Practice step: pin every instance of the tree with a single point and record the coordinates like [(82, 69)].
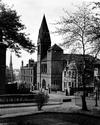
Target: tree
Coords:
[(81, 30), (12, 31)]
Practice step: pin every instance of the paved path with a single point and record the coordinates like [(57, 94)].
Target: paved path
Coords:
[(19, 111), (56, 100), (56, 104)]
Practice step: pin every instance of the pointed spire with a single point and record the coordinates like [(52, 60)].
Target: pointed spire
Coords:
[(44, 26), (11, 66), (44, 40)]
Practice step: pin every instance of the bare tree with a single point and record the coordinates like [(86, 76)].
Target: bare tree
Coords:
[(79, 31)]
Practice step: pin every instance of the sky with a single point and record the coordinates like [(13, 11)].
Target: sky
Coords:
[(32, 12)]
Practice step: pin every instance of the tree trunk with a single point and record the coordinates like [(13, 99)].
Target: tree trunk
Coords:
[(84, 105), (96, 98)]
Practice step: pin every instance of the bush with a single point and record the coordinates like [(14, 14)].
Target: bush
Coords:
[(23, 89), (41, 99)]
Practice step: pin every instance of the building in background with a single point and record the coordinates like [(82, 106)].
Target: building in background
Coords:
[(11, 69), (16, 73), (28, 74), (70, 77), (10, 76), (52, 64)]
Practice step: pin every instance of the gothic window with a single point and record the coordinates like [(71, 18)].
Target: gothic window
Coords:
[(44, 84), (44, 68)]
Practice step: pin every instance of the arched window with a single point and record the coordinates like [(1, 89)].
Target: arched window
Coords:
[(43, 84)]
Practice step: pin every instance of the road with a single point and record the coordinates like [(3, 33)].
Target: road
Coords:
[(20, 109)]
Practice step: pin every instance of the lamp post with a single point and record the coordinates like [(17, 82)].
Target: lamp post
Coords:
[(96, 96)]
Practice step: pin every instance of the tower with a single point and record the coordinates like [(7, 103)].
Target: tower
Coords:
[(11, 68), (43, 43), (10, 65)]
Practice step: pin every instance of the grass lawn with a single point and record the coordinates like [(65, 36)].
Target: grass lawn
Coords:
[(50, 118)]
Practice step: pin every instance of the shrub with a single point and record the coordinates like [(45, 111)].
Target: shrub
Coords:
[(23, 89), (41, 99)]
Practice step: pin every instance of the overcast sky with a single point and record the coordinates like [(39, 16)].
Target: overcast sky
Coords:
[(32, 12)]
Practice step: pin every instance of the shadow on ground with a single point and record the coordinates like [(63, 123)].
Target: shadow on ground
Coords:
[(53, 118)]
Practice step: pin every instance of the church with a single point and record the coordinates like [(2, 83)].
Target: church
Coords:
[(54, 67)]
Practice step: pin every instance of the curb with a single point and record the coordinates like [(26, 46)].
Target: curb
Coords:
[(28, 105)]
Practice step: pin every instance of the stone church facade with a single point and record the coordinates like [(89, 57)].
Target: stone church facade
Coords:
[(51, 62)]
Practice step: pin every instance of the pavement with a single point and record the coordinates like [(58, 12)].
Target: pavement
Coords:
[(25, 105), (54, 99), (55, 104)]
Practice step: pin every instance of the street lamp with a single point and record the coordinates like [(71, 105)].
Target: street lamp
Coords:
[(96, 94)]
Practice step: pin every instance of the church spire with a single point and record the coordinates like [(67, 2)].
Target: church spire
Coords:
[(43, 27), (44, 41), (11, 66)]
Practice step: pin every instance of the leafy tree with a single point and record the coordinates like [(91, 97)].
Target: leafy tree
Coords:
[(12, 31), (81, 31)]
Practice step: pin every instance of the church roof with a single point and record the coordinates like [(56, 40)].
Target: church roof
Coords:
[(56, 47), (78, 58)]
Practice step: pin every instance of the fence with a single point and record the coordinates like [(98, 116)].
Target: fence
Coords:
[(17, 98), (90, 100)]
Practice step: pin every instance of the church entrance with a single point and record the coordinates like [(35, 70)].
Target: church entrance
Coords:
[(43, 84)]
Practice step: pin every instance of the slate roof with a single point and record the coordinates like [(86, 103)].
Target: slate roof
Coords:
[(56, 47), (78, 58)]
